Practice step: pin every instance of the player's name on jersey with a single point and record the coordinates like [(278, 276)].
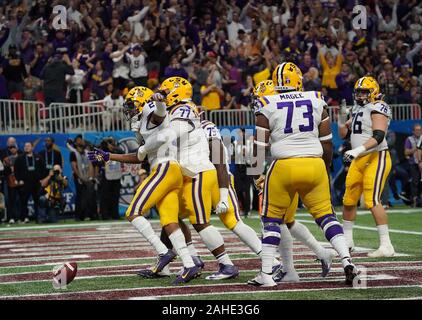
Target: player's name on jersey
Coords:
[(291, 96)]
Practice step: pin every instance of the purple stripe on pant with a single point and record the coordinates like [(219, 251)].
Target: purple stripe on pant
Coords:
[(195, 206), (143, 189), (201, 200)]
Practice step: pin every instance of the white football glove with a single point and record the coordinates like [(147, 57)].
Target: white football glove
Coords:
[(354, 153), (343, 113), (158, 96), (141, 153), (223, 204)]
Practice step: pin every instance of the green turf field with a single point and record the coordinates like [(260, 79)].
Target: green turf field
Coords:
[(109, 254)]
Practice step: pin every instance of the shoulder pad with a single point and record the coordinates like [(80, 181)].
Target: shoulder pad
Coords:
[(381, 107)]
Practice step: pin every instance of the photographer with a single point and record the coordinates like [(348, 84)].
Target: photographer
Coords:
[(52, 201), (110, 184)]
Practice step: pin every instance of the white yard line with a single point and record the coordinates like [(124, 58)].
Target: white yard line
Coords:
[(266, 291), (371, 277)]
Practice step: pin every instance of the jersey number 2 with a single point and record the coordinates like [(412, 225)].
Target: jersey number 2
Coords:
[(291, 106)]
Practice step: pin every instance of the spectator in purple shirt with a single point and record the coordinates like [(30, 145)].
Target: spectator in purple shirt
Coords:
[(38, 60), (100, 79), (233, 82), (175, 69), (345, 81)]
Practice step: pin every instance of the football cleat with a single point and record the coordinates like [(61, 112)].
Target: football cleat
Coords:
[(149, 274), (226, 271), (198, 262), (326, 262), (262, 280), (163, 260), (351, 272), (187, 275), (382, 251), (281, 276), (277, 267)]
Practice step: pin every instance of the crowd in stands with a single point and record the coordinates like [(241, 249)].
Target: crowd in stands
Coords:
[(224, 47)]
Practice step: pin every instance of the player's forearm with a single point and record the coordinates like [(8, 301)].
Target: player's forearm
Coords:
[(327, 155), (125, 158), (222, 175)]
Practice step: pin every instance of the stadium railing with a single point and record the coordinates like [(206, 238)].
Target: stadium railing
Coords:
[(87, 116), (247, 117), (19, 116)]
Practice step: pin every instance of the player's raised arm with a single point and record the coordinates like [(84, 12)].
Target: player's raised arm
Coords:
[(343, 123), (326, 139)]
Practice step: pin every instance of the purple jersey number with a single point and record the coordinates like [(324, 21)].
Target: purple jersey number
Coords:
[(291, 106)]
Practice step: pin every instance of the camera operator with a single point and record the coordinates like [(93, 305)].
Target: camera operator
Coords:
[(52, 202), (110, 184)]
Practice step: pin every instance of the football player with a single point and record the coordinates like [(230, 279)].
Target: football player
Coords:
[(370, 161), (300, 131), (296, 229), (229, 216), (174, 100), (161, 188)]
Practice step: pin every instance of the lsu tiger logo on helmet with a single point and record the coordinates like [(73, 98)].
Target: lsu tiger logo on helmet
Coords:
[(366, 90), (177, 89), (287, 77), (135, 101), (264, 88)]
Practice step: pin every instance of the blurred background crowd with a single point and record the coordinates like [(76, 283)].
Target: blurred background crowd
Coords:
[(223, 47)]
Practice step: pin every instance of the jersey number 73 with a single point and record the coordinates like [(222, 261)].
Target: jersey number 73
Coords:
[(295, 107)]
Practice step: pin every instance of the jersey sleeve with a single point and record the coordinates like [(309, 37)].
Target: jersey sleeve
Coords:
[(262, 107), (382, 107), (211, 130)]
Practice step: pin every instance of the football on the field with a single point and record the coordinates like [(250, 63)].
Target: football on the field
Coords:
[(65, 273)]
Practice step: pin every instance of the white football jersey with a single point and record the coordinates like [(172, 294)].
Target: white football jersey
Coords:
[(361, 126), (137, 65), (168, 151), (194, 154), (212, 132), (294, 118)]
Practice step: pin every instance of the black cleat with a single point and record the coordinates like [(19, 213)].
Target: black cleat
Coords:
[(351, 273)]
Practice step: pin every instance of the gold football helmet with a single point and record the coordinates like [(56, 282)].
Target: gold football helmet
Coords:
[(264, 88), (135, 100), (366, 90), (177, 89), (287, 77)]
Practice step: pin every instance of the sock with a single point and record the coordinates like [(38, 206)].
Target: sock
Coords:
[(270, 242), (302, 233), (213, 240), (383, 234), (348, 231), (333, 232), (286, 249), (192, 249), (145, 228), (179, 243), (224, 258), (248, 236)]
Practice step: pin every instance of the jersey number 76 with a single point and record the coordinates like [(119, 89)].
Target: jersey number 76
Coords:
[(291, 107)]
